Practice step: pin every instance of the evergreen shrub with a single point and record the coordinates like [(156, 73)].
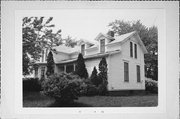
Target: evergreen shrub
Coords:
[(63, 87)]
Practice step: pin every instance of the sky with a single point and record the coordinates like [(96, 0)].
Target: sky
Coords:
[(88, 23)]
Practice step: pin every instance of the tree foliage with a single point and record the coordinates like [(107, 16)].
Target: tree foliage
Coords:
[(103, 76), (50, 64), (149, 36), (70, 42), (37, 34), (81, 67), (94, 77), (63, 87)]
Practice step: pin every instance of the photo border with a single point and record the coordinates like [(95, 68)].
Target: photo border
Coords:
[(19, 9)]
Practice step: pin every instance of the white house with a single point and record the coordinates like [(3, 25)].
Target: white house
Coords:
[(124, 55)]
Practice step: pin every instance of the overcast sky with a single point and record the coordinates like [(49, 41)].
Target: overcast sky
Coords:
[(88, 23)]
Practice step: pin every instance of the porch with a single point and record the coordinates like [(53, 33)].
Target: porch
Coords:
[(67, 68)]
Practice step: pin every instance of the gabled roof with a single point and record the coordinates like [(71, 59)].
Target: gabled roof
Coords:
[(93, 42), (98, 55), (123, 38), (67, 50), (105, 35)]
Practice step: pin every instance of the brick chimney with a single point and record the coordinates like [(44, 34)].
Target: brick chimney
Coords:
[(110, 33)]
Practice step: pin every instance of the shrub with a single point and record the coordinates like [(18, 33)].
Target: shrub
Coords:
[(91, 90), (94, 78), (63, 87), (102, 89), (50, 64), (31, 84), (81, 67), (88, 88), (151, 86), (103, 76)]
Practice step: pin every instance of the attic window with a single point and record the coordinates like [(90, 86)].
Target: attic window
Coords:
[(83, 49), (102, 46)]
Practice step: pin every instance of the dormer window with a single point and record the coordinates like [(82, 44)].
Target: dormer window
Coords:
[(83, 49), (102, 46)]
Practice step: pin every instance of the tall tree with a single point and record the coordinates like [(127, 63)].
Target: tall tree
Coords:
[(81, 67), (50, 64), (70, 42), (37, 34), (103, 76), (149, 36), (94, 77)]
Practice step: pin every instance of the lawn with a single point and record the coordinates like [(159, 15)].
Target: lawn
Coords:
[(35, 99)]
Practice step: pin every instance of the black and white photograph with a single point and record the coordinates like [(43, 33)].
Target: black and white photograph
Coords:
[(91, 58)]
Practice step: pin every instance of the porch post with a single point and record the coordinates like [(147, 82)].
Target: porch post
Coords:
[(64, 68), (74, 66)]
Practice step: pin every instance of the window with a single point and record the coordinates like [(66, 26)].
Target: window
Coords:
[(138, 73), (69, 68), (135, 50), (126, 72), (102, 46), (61, 68), (131, 49), (46, 54), (83, 49), (36, 71), (42, 72), (42, 55)]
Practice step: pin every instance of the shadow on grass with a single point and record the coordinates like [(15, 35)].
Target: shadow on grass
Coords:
[(128, 93), (71, 104)]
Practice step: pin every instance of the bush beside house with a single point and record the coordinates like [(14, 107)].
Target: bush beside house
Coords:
[(81, 67), (103, 77), (97, 84), (50, 64), (31, 84), (151, 85), (66, 87), (94, 77), (63, 87)]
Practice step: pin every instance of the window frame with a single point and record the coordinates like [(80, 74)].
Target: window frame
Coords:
[(36, 71), (43, 70), (102, 51), (131, 49), (138, 73), (135, 50), (42, 55), (126, 73), (83, 49)]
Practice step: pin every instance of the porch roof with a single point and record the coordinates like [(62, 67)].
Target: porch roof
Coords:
[(99, 55)]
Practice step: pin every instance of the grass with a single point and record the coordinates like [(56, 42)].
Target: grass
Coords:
[(120, 101), (35, 99)]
